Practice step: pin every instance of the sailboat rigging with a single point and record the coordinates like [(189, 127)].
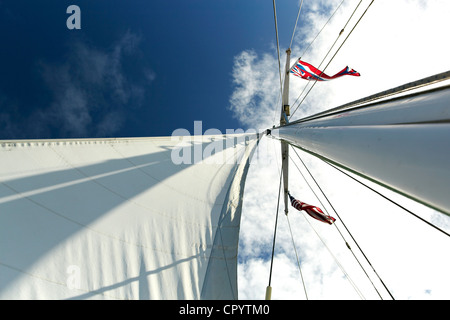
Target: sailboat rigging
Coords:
[(333, 130), (121, 219)]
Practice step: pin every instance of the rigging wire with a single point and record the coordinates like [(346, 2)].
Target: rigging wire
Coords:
[(310, 44), (275, 228), (348, 246), (323, 206), (331, 48), (392, 201), (278, 44), (290, 44), (375, 98), (278, 55), (326, 23), (360, 249), (292, 238), (296, 21), (296, 255), (334, 53), (336, 260), (334, 257), (281, 94), (276, 109), (281, 88), (274, 233)]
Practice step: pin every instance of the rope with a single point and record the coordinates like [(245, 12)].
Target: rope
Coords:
[(334, 53)]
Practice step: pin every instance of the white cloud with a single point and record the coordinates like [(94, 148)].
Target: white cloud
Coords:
[(255, 96), (396, 42), (91, 89)]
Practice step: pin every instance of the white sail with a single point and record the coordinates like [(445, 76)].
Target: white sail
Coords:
[(148, 218)]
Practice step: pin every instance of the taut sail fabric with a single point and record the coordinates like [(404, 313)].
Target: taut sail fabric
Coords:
[(138, 218)]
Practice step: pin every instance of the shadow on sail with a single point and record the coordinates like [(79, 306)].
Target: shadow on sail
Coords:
[(115, 219)]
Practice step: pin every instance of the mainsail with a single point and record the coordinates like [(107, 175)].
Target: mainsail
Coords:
[(148, 218)]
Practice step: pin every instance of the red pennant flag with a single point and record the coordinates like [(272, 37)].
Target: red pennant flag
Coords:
[(307, 71), (313, 211)]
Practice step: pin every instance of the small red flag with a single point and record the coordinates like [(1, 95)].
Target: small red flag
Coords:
[(307, 71), (313, 211)]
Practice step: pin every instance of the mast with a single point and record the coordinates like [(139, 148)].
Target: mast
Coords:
[(401, 143), (284, 151), (283, 121)]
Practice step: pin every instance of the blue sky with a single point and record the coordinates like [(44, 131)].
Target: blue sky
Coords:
[(136, 68)]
